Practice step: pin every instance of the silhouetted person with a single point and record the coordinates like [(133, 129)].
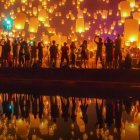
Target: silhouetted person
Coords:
[(34, 107), (53, 54), (118, 114), (22, 53), (109, 52), (64, 54), (40, 52), (118, 53), (4, 104), (15, 52), (73, 115), (16, 107), (65, 109), (7, 51), (54, 108), (84, 56), (3, 53), (33, 52), (99, 50), (22, 107), (109, 113), (72, 53), (41, 107), (27, 106), (27, 54), (128, 61), (84, 107), (99, 110)]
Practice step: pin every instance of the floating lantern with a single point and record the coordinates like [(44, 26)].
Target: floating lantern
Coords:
[(131, 34), (132, 3), (136, 15), (20, 21), (125, 9), (42, 15), (33, 25), (80, 26), (35, 11)]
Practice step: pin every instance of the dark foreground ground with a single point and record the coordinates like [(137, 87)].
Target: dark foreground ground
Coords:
[(72, 82)]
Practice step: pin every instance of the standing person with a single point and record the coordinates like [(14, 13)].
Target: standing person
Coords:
[(53, 54), (15, 52), (84, 56), (3, 57), (33, 52), (118, 53), (99, 49), (8, 55), (21, 53), (40, 52), (109, 52), (72, 54), (27, 54), (64, 54)]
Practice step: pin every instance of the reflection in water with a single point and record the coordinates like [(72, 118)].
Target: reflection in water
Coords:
[(54, 117)]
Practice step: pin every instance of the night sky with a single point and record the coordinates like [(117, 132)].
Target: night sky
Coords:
[(91, 5)]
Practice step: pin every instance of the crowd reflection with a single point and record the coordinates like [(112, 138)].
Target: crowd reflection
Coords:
[(44, 117)]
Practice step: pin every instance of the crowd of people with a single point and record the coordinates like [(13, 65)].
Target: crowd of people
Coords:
[(20, 53)]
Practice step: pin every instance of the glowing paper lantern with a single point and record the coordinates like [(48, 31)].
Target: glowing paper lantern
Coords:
[(125, 9), (35, 11), (131, 34), (20, 21), (132, 3), (42, 15), (23, 1), (136, 15), (80, 14), (33, 25), (80, 26), (104, 14)]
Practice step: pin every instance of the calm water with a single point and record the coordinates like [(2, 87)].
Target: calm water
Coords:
[(54, 117)]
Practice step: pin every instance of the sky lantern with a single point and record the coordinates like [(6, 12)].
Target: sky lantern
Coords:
[(104, 14), (46, 23), (132, 3), (80, 14), (42, 15), (23, 7), (80, 25), (23, 1), (33, 25), (35, 11), (136, 15), (131, 34), (125, 9), (20, 21)]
